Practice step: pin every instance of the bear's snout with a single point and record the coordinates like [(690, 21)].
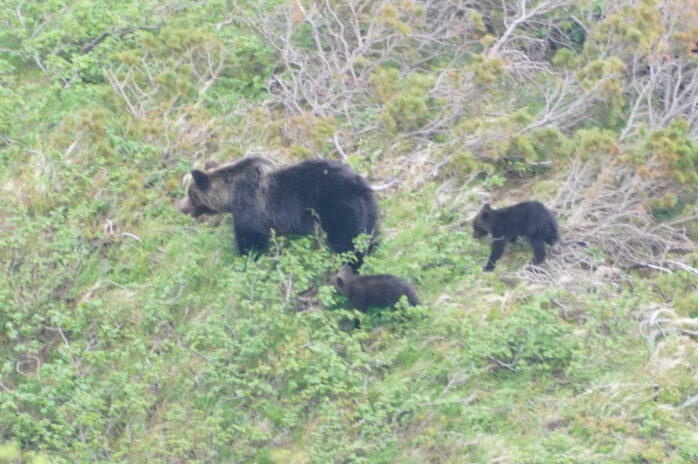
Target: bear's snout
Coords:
[(185, 206), (479, 233)]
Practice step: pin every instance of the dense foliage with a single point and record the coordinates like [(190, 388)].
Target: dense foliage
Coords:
[(130, 333)]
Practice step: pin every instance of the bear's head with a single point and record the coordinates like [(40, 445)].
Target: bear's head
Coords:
[(482, 224), (213, 189), (208, 193), (341, 281)]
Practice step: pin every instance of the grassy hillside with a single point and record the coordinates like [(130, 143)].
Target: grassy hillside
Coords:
[(131, 333)]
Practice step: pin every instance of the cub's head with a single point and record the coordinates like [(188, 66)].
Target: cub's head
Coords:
[(207, 192), (482, 224), (341, 280)]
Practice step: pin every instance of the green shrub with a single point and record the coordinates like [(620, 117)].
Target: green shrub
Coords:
[(531, 338)]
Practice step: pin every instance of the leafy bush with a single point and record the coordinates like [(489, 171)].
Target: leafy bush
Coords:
[(532, 339), (126, 324)]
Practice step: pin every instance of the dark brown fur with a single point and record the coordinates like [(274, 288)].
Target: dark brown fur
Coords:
[(211, 191), (529, 219), (373, 291), (290, 200)]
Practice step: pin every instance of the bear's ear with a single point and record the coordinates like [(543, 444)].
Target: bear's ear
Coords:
[(485, 211), (210, 165), (486, 207), (339, 282), (201, 179)]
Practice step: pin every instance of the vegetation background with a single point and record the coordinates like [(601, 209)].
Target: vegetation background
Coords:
[(130, 333)]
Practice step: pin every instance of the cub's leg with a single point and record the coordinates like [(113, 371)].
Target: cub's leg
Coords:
[(498, 245)]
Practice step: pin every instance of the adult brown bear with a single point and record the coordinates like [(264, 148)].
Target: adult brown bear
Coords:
[(290, 200)]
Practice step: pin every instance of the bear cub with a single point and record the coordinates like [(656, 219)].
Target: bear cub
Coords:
[(373, 291), (529, 219), (292, 200)]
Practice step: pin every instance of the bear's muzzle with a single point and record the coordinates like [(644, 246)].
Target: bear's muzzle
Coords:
[(185, 206)]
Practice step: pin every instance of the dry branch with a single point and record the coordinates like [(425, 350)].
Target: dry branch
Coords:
[(516, 15), (329, 51), (607, 229)]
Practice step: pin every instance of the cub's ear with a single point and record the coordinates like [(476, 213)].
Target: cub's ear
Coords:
[(339, 282), (485, 211), (201, 179), (210, 165)]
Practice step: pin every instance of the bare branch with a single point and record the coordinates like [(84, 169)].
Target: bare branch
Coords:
[(522, 15), (607, 230)]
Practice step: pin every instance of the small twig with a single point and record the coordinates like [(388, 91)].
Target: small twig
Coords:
[(60, 331), (338, 145), (649, 266), (690, 402), (684, 267), (393, 183), (503, 364), (462, 401), (128, 234), (117, 285)]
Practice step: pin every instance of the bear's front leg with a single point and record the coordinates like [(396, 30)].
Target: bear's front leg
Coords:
[(249, 240), (498, 245)]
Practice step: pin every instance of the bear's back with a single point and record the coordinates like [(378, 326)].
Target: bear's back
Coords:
[(526, 219), (319, 178), (378, 290), (245, 165)]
